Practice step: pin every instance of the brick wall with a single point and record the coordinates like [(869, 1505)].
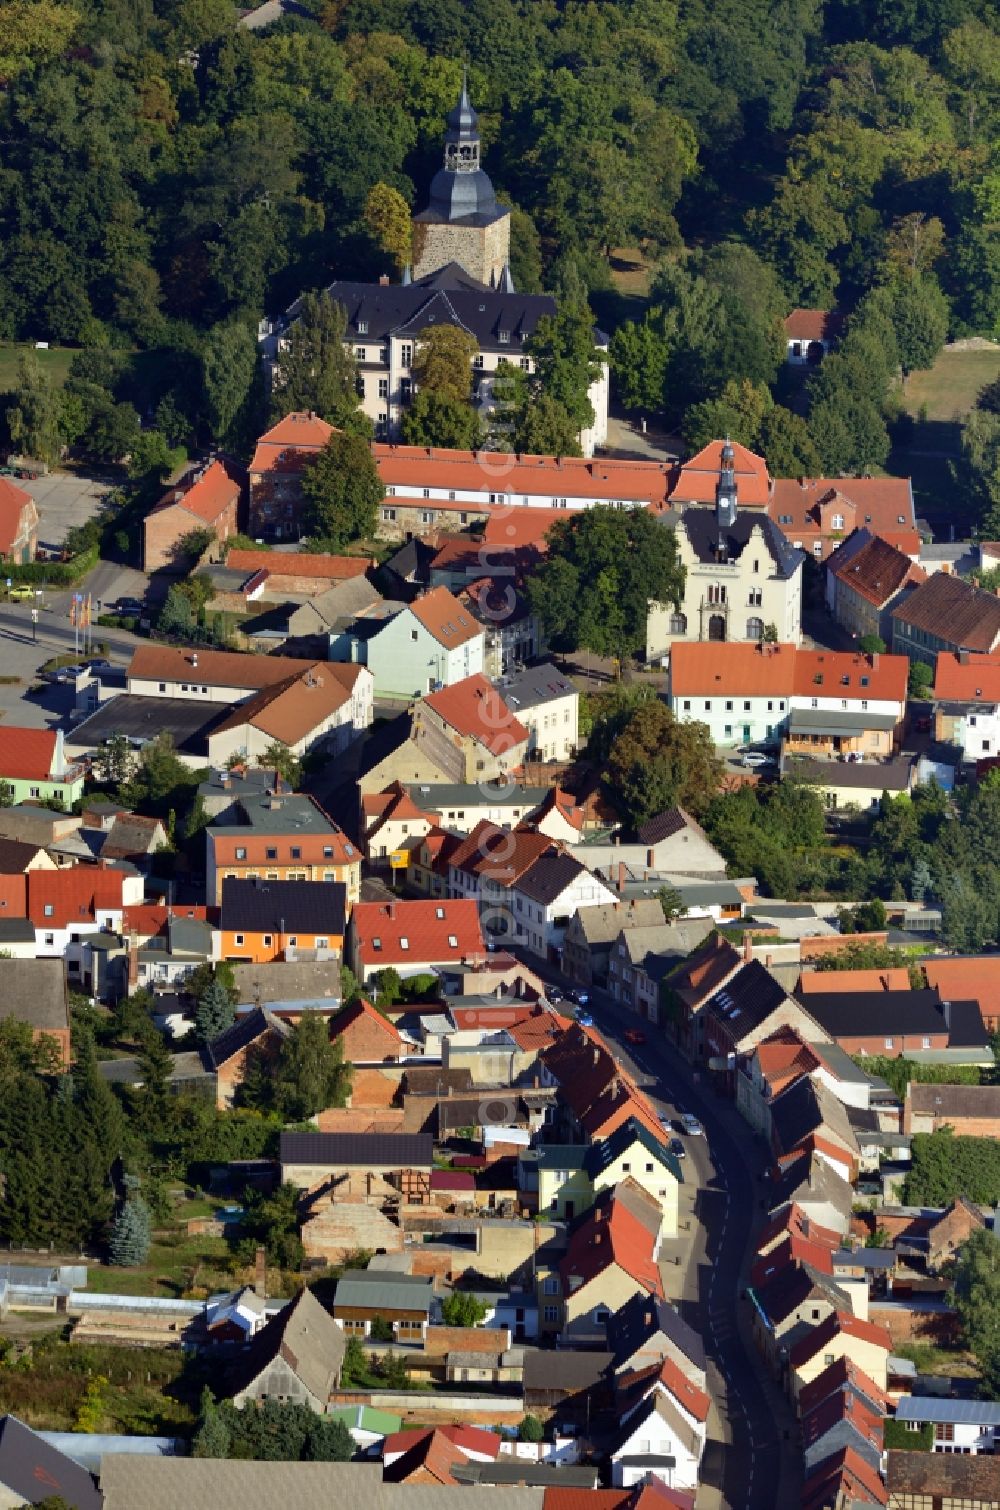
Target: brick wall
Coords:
[(366, 1040), (902, 1043), (905, 1325), (165, 527), (834, 943)]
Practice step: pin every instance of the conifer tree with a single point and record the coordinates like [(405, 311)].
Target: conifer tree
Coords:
[(214, 1013), (130, 1237)]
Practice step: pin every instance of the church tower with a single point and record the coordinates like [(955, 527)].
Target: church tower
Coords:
[(463, 222)]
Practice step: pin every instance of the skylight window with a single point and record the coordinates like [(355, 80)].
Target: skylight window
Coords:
[(404, 943), (453, 940), (376, 945)]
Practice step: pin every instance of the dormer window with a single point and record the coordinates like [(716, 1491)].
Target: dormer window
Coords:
[(837, 522), (362, 327), (503, 336)]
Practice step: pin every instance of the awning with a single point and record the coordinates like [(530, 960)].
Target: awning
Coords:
[(821, 721)]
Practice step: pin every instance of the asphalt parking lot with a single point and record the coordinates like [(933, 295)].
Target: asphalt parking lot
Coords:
[(64, 499)]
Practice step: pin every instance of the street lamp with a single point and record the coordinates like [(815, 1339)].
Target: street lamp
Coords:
[(34, 626)]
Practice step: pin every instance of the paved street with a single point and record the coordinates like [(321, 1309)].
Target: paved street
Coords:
[(22, 652), (752, 1460)]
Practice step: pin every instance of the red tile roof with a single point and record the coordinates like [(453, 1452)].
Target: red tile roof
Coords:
[(812, 324), (363, 1011), (410, 469), (877, 570), (843, 1478), (610, 1234), (299, 564), (848, 674), (843, 1373), (475, 708), (426, 927), (957, 979), (215, 668), (974, 679), (13, 501), (953, 610), (204, 494), (692, 1399), (150, 921), (804, 507), (895, 978), (598, 1090), (74, 895), (792, 1221), (521, 529), (783, 1057), (291, 710), (698, 479), (840, 1324), (26, 754), (288, 444), (501, 854), (703, 669), (444, 617), (793, 1251), (465, 1438)]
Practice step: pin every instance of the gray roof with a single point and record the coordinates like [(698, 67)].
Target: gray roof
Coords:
[(514, 1471), (241, 1033), (16, 855), (265, 813), (565, 1369), (307, 1338), (282, 907), (289, 981), (16, 931), (534, 686), (886, 776), (701, 525), (31, 1469), (358, 1150), (641, 1318), (836, 721), (602, 925), (957, 1412), (865, 1258), (189, 723), (448, 296), (433, 796), (34, 991), (842, 1434), (396, 1292), (546, 880), (139, 1483), (185, 1066)]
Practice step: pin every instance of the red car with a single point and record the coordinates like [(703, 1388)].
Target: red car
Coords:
[(634, 1035)]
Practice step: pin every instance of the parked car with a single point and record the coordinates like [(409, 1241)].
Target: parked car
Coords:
[(581, 997), (676, 1147), (584, 1019), (691, 1125), (126, 608), (754, 759), (634, 1035), (101, 665), (554, 995)]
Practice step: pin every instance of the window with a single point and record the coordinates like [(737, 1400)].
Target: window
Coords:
[(406, 353), (383, 387), (746, 707), (551, 1313), (388, 514), (453, 940), (756, 597), (362, 327), (241, 853), (439, 912), (890, 1043), (503, 336), (477, 361), (525, 364), (678, 623), (34, 791), (728, 731), (687, 705), (50, 938), (716, 592), (404, 943), (49, 909), (550, 1285), (837, 522), (360, 354), (239, 938), (377, 945), (296, 852), (163, 686), (322, 943), (426, 516), (271, 854), (268, 940), (756, 566), (729, 705)]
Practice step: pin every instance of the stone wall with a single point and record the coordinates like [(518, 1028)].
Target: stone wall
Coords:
[(481, 250)]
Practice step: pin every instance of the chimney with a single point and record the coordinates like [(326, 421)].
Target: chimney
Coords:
[(133, 963), (621, 877), (963, 657), (597, 1237), (260, 1272), (769, 960), (648, 1318), (875, 661), (597, 1054), (383, 280), (747, 948)]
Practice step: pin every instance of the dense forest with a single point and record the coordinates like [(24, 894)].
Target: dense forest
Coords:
[(170, 175)]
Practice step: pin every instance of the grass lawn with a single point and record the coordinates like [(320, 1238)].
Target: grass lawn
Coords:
[(948, 390), (55, 362), (178, 1266), (939, 1360), (148, 1391)]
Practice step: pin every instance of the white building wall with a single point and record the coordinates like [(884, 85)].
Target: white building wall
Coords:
[(407, 661), (553, 728), (735, 720)]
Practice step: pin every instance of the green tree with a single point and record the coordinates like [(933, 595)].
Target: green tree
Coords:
[(639, 357), (387, 220), (278, 757), (920, 679), (434, 420), (658, 761), (442, 361), (530, 1429), (341, 493), (317, 370), (785, 442), (229, 364), (33, 417), (176, 616), (214, 1013), (212, 1438), (463, 1309), (310, 1073), (872, 644), (115, 761), (919, 313), (564, 355), (128, 1244), (671, 902), (603, 568)]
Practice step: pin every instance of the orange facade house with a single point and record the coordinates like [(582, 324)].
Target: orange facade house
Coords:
[(263, 921), (280, 837)]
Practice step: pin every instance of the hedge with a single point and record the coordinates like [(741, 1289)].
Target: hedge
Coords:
[(52, 573)]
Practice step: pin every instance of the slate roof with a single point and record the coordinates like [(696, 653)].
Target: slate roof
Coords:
[(876, 1014), (673, 820), (534, 686), (639, 1320), (747, 999), (707, 537), (450, 296), (603, 1153), (246, 1029), (546, 880), (358, 1150), (32, 1469), (954, 1100), (258, 906), (563, 1368), (806, 1107)]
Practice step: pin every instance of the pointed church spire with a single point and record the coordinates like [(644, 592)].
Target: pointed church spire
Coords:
[(407, 275), (506, 284)]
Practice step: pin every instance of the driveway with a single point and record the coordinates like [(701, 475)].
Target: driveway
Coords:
[(64, 499)]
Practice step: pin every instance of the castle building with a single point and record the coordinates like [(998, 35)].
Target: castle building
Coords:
[(461, 276)]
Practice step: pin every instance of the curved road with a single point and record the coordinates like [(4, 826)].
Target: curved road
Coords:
[(759, 1464)]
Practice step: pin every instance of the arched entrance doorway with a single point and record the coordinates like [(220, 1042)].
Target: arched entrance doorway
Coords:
[(717, 627)]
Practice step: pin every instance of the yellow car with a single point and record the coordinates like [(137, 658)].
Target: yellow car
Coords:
[(21, 593)]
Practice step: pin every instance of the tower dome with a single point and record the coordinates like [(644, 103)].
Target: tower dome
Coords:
[(461, 188)]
